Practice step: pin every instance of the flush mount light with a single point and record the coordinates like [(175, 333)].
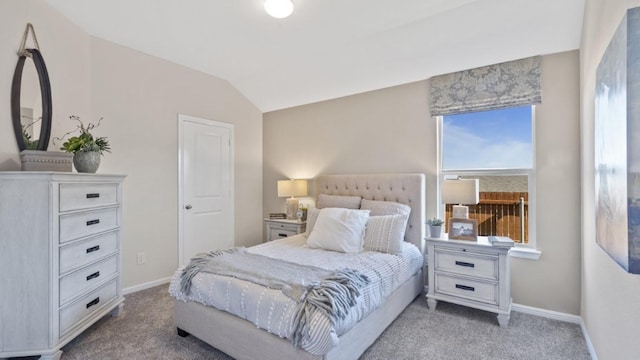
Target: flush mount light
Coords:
[(278, 8)]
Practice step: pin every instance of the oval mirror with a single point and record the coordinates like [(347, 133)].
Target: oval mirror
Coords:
[(31, 102)]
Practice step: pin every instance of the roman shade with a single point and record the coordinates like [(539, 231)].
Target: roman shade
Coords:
[(507, 84)]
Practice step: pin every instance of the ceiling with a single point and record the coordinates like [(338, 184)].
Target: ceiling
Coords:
[(330, 48)]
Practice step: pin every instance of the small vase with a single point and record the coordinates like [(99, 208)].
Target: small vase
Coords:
[(86, 161), (435, 231)]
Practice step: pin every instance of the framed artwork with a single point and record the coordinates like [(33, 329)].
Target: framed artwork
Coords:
[(617, 145), (463, 229)]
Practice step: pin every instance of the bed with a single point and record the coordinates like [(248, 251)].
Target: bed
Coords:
[(242, 339)]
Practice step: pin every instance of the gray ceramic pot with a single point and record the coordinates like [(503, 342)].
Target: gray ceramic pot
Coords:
[(86, 161)]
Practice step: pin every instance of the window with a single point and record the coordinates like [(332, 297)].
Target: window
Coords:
[(496, 147)]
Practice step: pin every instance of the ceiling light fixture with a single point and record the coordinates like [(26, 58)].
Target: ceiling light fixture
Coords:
[(279, 9)]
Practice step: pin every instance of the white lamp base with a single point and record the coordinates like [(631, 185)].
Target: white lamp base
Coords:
[(460, 212), (292, 208)]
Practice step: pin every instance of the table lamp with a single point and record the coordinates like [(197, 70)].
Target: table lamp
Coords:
[(290, 189), (460, 191)]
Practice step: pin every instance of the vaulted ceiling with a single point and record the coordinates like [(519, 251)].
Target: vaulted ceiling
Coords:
[(330, 48)]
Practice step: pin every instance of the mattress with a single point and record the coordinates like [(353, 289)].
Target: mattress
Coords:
[(271, 310)]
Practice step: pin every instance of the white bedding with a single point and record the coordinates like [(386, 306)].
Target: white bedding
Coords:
[(271, 310)]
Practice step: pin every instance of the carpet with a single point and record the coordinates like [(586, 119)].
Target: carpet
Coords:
[(145, 330)]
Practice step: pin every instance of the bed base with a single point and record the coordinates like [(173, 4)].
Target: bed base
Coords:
[(243, 340)]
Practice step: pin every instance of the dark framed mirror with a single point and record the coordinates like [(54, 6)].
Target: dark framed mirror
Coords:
[(31, 101)]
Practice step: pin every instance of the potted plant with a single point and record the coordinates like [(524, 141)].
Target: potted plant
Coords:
[(435, 227), (86, 148)]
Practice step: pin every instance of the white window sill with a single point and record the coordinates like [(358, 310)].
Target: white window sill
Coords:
[(524, 252)]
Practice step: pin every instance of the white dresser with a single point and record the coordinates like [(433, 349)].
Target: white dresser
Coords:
[(60, 258), (470, 273)]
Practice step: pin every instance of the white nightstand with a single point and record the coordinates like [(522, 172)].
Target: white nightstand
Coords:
[(278, 229), (470, 273)]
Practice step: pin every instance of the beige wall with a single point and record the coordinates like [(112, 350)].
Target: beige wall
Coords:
[(139, 97), (610, 306), (390, 130), (65, 49)]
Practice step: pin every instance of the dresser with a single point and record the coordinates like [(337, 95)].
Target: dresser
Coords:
[(60, 258), (281, 228), (470, 273)]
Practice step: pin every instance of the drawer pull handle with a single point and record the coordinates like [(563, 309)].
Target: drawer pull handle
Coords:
[(282, 235), (465, 287), (93, 222), (93, 195), (92, 249), (93, 302), (93, 276), (465, 264)]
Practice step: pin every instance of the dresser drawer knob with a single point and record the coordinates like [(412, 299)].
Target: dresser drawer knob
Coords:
[(465, 264), (92, 249), (93, 302), (93, 196), (465, 287), (93, 222), (93, 276)]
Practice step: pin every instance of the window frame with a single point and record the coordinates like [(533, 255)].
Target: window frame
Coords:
[(528, 250)]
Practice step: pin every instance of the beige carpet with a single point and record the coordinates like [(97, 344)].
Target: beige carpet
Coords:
[(145, 330)]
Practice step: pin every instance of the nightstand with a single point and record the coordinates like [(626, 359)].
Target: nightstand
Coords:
[(280, 228), (470, 273)]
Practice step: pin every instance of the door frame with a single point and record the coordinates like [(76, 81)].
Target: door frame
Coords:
[(182, 119)]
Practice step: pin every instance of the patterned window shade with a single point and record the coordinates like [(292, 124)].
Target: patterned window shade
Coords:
[(490, 87)]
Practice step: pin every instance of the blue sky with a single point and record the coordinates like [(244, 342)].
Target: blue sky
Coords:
[(488, 140)]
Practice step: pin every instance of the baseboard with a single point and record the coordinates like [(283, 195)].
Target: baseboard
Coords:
[(146, 285), (556, 315), (549, 314), (587, 339)]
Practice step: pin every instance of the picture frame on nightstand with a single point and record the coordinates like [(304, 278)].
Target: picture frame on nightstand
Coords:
[(463, 229)]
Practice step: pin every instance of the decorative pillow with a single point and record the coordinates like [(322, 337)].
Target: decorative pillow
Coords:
[(380, 208), (338, 201), (312, 216), (385, 233), (339, 230)]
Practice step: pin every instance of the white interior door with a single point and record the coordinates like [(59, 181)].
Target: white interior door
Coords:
[(206, 186)]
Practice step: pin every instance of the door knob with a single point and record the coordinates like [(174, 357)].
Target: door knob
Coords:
[(188, 207)]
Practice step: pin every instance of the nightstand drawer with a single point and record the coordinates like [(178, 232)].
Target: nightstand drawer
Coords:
[(467, 288), (275, 234), (465, 263)]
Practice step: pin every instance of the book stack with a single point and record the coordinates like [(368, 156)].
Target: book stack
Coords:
[(501, 241), (277, 216)]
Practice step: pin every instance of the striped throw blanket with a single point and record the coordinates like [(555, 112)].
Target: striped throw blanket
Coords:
[(314, 289)]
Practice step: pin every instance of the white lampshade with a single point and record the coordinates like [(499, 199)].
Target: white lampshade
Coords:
[(292, 188), (279, 9), (461, 191)]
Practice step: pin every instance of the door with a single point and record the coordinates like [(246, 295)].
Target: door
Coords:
[(205, 186)]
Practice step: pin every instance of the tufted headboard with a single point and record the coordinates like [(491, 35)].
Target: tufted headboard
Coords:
[(406, 189)]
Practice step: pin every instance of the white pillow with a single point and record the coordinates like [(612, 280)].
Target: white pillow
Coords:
[(338, 201), (312, 216), (339, 229), (380, 208), (385, 233)]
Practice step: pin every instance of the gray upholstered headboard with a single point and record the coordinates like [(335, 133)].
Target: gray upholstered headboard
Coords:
[(406, 189)]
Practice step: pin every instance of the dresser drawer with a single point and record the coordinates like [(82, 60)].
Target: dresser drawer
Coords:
[(467, 288), (87, 305), (86, 196), (74, 226), (79, 254), (82, 280), (466, 263)]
